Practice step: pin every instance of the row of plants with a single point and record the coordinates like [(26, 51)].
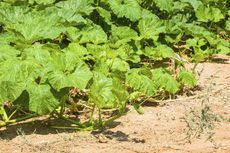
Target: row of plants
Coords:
[(91, 57)]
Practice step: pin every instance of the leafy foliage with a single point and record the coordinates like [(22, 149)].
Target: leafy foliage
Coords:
[(187, 78), (106, 51)]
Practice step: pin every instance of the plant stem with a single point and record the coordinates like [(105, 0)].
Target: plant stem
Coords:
[(73, 121), (8, 122)]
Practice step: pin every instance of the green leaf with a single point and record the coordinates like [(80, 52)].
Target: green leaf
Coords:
[(70, 16), (173, 25), (118, 64), (8, 52), (119, 90), (134, 95), (105, 14), (77, 6), (11, 14), (19, 70), (94, 34), (172, 86), (150, 26), (138, 108), (187, 78), (36, 26), (65, 72), (75, 51), (195, 3), (159, 53), (166, 5), (42, 101), (140, 82), (122, 35), (227, 24), (223, 49), (163, 51), (206, 14), (201, 32), (106, 92), (128, 8), (44, 2), (164, 80), (73, 34), (9, 91), (38, 53), (9, 37)]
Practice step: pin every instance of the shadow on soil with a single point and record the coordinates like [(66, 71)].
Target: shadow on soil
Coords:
[(117, 135), (44, 126), (39, 126), (220, 60)]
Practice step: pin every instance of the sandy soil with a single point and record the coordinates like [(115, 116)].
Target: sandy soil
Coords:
[(196, 124)]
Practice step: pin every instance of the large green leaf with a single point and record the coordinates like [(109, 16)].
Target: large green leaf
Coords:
[(122, 35), (9, 37), (128, 8), (223, 48), (45, 2), (8, 52), (9, 91), (166, 5), (150, 26), (105, 14), (73, 34), (73, 54), (187, 78), (35, 26), (42, 100), (38, 53), (160, 52), (70, 17), (19, 70), (164, 80), (207, 14), (63, 72), (194, 3), (106, 92), (118, 64), (94, 34), (77, 6), (11, 14), (140, 82), (201, 32)]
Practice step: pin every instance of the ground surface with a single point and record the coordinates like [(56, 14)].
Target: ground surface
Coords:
[(195, 124)]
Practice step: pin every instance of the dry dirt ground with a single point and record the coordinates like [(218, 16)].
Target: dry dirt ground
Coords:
[(190, 124)]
